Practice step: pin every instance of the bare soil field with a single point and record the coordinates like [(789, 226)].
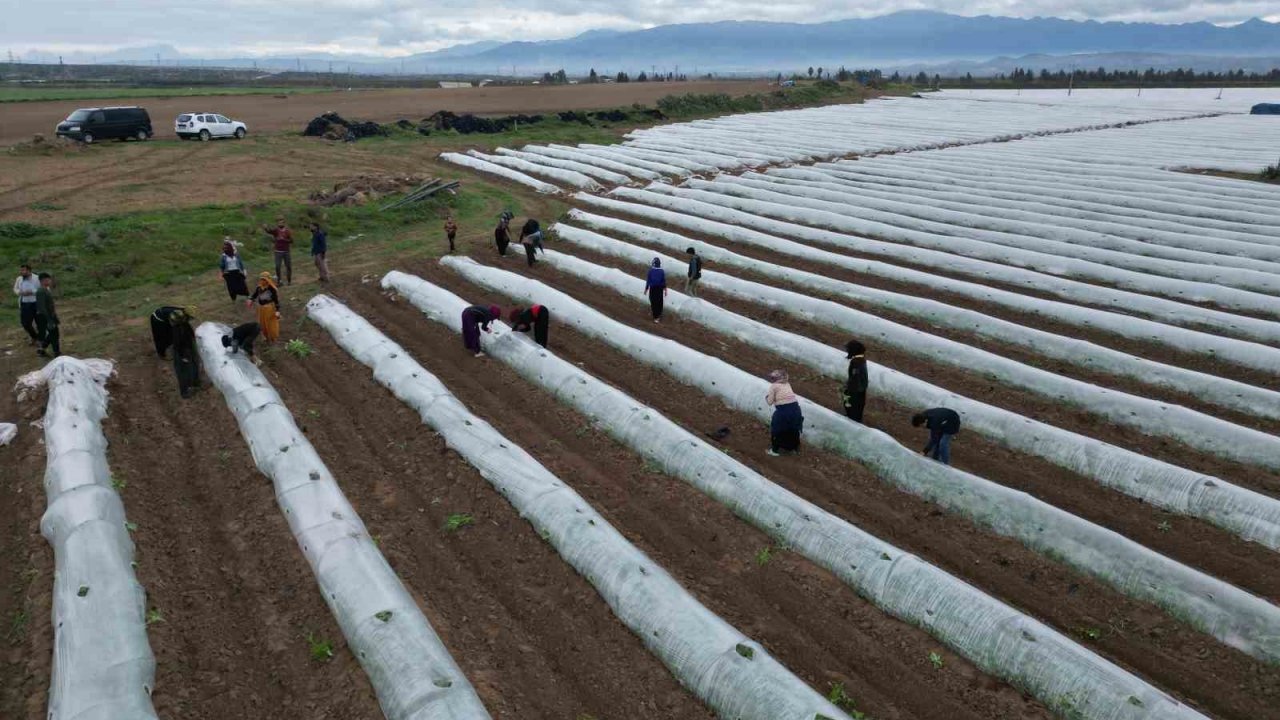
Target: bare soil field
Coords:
[(20, 121)]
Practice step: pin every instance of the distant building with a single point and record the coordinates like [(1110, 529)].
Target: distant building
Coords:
[(450, 84)]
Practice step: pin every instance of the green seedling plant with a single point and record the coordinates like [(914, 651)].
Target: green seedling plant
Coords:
[(841, 699), (118, 483), (298, 348), (937, 660), (458, 521), (1089, 633), (1164, 526), (154, 616), (764, 556), (321, 650)]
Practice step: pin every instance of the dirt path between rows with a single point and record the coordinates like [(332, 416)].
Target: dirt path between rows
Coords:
[(808, 619), (1134, 634), (26, 567)]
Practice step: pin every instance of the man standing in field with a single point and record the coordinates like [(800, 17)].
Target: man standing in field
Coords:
[(531, 238), (695, 273), (319, 251), (47, 319), (942, 423), (25, 288), (450, 231), (502, 233), (282, 242)]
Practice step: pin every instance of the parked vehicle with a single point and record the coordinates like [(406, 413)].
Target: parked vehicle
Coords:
[(207, 126), (111, 123)]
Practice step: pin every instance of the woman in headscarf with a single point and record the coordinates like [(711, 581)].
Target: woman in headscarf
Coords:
[(788, 421), (233, 272), (186, 359), (474, 319), (162, 328), (267, 295), (854, 396), (536, 317), (655, 284)]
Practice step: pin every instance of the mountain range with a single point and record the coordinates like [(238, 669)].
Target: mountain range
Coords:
[(900, 40)]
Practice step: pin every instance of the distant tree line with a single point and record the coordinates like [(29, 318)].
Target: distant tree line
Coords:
[(1096, 77)]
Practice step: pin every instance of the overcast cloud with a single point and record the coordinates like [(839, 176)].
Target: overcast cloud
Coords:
[(224, 28)]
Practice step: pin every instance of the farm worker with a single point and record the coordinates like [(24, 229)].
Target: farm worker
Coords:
[(943, 423), (787, 422), (695, 272), (25, 288), (186, 359), (162, 328), (267, 295), (233, 271), (475, 319), (537, 317), (47, 318), (450, 231), (655, 284), (241, 338), (531, 238), (502, 233), (854, 397), (320, 251), (282, 242)]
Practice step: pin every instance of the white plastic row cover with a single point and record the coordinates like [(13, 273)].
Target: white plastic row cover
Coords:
[(996, 637), (1238, 618), (103, 668), (731, 673), (410, 668)]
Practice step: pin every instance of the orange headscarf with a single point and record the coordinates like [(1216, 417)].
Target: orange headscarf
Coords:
[(264, 280)]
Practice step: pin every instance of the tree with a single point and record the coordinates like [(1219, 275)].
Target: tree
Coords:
[(819, 73), (811, 71), (593, 78), (622, 77), (642, 77)]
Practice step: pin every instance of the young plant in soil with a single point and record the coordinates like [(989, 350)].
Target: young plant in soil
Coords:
[(937, 660), (321, 649), (154, 616), (298, 348), (842, 700), (458, 521), (764, 556)]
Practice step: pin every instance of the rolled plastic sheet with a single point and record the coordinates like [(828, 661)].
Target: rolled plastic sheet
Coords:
[(1235, 617), (409, 667), (725, 669), (103, 668)]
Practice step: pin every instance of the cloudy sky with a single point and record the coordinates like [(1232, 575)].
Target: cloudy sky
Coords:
[(222, 28)]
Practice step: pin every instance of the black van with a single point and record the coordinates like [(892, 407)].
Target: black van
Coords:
[(121, 123)]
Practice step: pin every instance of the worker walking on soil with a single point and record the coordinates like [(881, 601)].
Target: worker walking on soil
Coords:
[(186, 358), (233, 270), (474, 319), (47, 323), (267, 296), (943, 424), (451, 232), (854, 397), (695, 272), (162, 328), (320, 251), (242, 338), (282, 244), (537, 317), (787, 422), (25, 288), (531, 238), (502, 233), (655, 285)]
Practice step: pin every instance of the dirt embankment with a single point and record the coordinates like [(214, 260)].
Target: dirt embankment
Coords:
[(265, 113)]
